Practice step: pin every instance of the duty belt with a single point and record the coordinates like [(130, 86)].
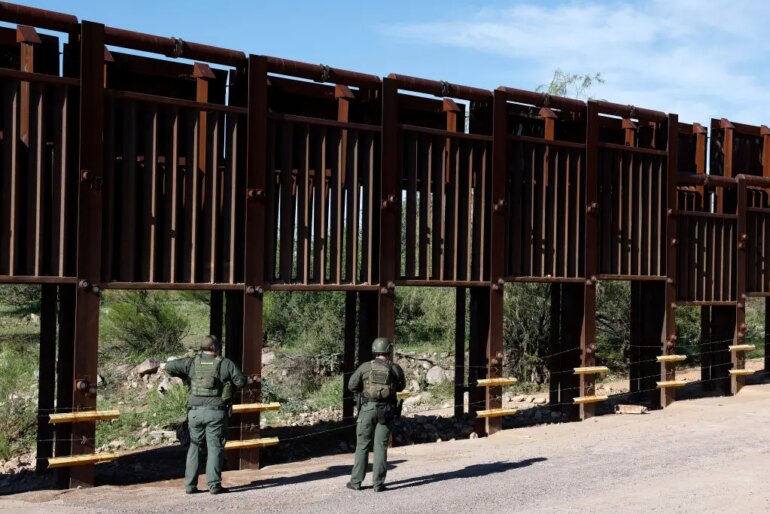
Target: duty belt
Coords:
[(207, 407)]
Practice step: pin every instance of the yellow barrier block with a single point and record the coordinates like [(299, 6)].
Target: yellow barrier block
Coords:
[(80, 460), (591, 370), (402, 394), (581, 400), (495, 382), (671, 358), (495, 413), (671, 383), (742, 348), (741, 372), (86, 415), (251, 443), (255, 407)]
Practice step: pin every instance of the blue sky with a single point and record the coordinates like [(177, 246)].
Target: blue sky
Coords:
[(700, 59)]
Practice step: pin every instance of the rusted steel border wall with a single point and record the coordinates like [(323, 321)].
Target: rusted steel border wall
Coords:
[(240, 174)]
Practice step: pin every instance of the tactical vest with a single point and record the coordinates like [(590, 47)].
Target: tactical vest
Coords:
[(378, 382), (204, 379)]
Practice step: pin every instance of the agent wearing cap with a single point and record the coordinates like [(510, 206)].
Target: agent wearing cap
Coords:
[(377, 382), (207, 374)]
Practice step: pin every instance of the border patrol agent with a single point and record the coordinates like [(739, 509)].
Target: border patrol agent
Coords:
[(377, 382), (209, 376)]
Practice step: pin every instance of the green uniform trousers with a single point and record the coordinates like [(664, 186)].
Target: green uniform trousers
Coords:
[(206, 426), (370, 434)]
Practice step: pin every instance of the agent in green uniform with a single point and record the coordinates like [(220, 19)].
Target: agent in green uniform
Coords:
[(207, 374), (377, 381)]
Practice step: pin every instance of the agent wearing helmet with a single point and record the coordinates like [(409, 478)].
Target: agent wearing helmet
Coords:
[(377, 382), (207, 373)]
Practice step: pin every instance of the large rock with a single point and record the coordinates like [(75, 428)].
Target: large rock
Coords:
[(412, 400), (148, 367), (435, 375), (167, 382), (267, 358)]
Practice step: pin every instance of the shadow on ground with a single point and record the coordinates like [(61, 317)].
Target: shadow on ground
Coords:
[(330, 472), (472, 471)]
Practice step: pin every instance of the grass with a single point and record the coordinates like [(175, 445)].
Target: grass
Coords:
[(19, 352), (328, 395)]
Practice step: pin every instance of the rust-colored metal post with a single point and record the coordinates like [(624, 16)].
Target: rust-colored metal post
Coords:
[(588, 332), (254, 273), (368, 325), (64, 374), (477, 345), (497, 256), (348, 353), (668, 370), (767, 334), (216, 313), (344, 96), (390, 217), (738, 359), (459, 378), (85, 355), (554, 361), (701, 136), (234, 351), (46, 375)]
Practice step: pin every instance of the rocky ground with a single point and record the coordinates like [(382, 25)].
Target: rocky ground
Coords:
[(704, 455), (427, 415)]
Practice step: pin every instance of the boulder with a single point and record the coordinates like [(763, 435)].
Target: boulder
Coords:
[(520, 398), (167, 383), (267, 358), (435, 375), (412, 400), (148, 367), (540, 401)]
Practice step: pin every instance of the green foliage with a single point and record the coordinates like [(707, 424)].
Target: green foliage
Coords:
[(329, 394), (613, 323), (526, 330), (168, 409), (425, 315), (23, 298), (309, 327), (141, 324), (564, 84), (125, 428), (18, 398), (195, 296)]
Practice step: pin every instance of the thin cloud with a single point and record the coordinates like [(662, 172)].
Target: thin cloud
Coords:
[(700, 59)]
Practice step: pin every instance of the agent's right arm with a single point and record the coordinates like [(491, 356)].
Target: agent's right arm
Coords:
[(179, 367)]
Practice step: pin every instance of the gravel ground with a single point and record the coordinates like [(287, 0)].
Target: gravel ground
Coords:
[(703, 455)]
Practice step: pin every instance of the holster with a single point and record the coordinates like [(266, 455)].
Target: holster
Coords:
[(386, 412)]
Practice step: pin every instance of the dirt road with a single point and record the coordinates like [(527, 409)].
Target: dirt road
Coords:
[(703, 455)]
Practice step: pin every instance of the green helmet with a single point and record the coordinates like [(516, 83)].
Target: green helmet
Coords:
[(381, 346)]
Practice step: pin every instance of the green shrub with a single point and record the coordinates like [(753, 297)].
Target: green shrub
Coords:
[(526, 330), (613, 324), (141, 324), (21, 297), (168, 409), (18, 399), (328, 394)]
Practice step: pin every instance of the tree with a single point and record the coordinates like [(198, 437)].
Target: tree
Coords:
[(564, 84)]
